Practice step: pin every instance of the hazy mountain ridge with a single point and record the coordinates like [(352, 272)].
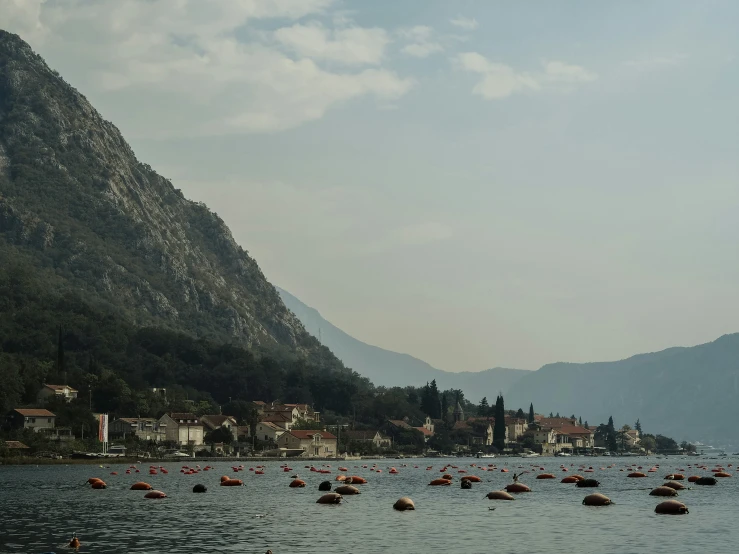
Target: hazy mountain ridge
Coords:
[(388, 368), (76, 200), (686, 392)]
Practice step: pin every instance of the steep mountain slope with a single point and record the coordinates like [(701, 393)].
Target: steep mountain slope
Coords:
[(76, 201), (686, 393), (384, 367)]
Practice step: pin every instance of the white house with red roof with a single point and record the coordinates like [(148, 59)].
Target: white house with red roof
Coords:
[(314, 443), (31, 418), (56, 391)]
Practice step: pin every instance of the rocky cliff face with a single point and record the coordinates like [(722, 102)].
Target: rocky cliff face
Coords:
[(74, 198)]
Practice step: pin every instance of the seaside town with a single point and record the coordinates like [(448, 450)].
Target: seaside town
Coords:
[(277, 429)]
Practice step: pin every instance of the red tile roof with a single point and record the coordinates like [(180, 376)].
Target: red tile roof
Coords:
[(271, 425), (400, 423), (15, 445), (426, 432), (277, 417), (60, 387), (360, 435), (33, 412), (303, 434), (574, 430), (183, 415), (215, 421)]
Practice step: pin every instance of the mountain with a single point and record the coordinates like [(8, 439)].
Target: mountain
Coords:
[(391, 369), (685, 393), (77, 204)]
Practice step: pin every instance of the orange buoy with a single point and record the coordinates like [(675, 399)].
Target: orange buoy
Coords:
[(140, 486), (358, 480), (596, 499), (440, 482), (224, 478), (330, 498), (155, 495), (663, 491), (671, 507), (446, 476), (517, 487), (232, 483), (578, 477), (545, 476), (674, 485), (403, 504), (499, 495), (341, 478), (721, 474), (636, 474), (297, 483), (347, 489), (74, 542), (693, 478), (504, 470), (99, 484), (570, 479), (91, 480), (472, 478)]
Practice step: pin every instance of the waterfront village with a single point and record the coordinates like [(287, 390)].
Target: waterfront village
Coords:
[(276, 429)]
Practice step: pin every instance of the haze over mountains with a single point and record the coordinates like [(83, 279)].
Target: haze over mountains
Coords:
[(392, 369), (686, 393)]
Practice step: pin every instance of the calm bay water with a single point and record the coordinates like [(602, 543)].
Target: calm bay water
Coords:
[(43, 505)]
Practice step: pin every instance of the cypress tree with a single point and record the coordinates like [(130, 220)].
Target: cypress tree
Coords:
[(637, 426), (435, 401), (531, 413), (499, 428), (444, 407), (580, 422), (587, 426)]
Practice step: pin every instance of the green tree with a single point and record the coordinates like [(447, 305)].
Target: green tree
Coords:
[(648, 443), (637, 426), (484, 407), (520, 414), (499, 429), (532, 418), (222, 434)]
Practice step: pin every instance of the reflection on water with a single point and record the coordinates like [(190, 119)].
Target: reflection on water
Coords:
[(43, 506)]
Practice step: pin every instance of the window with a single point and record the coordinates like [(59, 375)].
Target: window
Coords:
[(48, 420)]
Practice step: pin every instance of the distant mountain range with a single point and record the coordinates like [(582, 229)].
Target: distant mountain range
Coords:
[(391, 369), (686, 393)]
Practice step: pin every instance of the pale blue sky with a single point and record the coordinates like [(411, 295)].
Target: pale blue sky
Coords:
[(476, 183)]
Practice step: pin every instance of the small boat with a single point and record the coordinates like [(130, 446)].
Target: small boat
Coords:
[(563, 454), (529, 454)]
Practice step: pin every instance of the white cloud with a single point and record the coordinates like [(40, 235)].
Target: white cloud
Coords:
[(351, 45), (500, 80), (464, 22), (420, 41), (190, 56)]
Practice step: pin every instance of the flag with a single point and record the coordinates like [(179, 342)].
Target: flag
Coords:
[(103, 428)]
